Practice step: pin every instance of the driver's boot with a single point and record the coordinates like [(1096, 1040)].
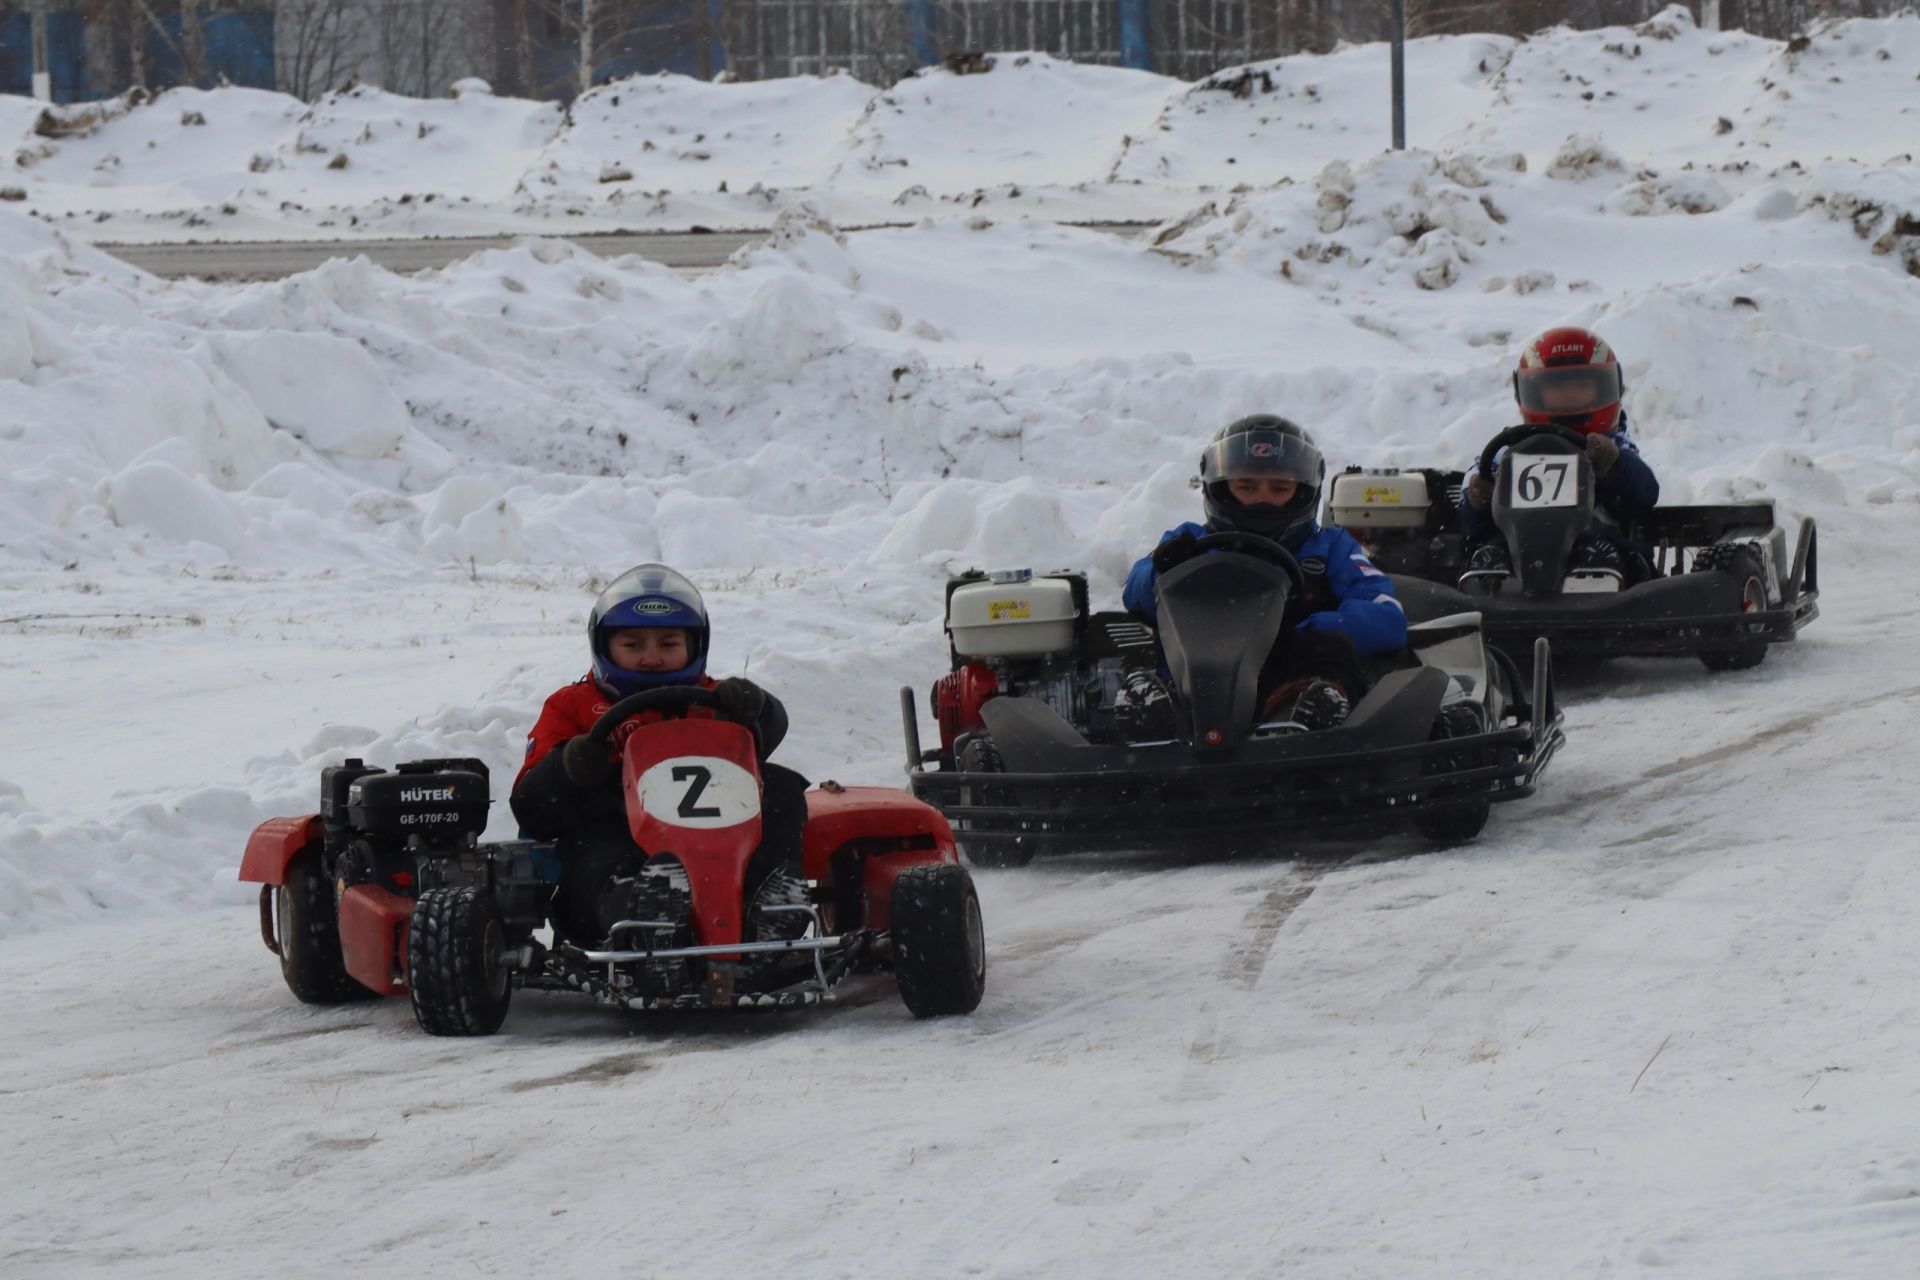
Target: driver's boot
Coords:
[(1487, 569), (1307, 704), (1595, 564)]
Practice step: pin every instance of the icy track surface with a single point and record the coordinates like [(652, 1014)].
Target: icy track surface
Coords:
[(1660, 1017)]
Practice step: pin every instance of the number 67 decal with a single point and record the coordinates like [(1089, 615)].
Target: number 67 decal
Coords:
[(1545, 479), (698, 791)]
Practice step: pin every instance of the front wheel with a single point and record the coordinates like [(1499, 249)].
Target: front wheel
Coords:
[(306, 916), (456, 963), (979, 755), (1743, 565), (939, 943), (1461, 822)]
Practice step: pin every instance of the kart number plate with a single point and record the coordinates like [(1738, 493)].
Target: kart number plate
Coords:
[(699, 791), (1545, 480)]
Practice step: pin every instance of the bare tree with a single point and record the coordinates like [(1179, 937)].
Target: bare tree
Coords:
[(312, 46), (601, 33), (418, 46)]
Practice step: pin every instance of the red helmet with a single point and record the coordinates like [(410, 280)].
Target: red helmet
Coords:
[(1568, 377)]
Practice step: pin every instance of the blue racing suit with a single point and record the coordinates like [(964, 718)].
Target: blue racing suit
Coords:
[(1629, 489), (1345, 593)]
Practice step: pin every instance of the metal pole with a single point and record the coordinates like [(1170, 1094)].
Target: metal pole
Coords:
[(1710, 14), (1399, 75), (42, 75)]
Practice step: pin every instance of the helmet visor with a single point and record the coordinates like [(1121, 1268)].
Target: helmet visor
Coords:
[(1261, 454), (1579, 389), (650, 595)]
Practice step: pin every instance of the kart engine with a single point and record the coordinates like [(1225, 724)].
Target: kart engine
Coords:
[(1024, 635), (382, 825)]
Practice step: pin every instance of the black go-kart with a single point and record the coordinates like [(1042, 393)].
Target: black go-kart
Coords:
[(1718, 584), (388, 890), (1059, 731)]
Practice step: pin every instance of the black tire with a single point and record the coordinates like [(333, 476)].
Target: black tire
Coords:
[(306, 918), (979, 755), (1744, 566), (461, 987), (1454, 823), (939, 943)]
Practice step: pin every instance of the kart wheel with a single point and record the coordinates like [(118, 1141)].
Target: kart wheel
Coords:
[(979, 755), (1743, 565), (306, 918), (1455, 823), (939, 943), (455, 963)]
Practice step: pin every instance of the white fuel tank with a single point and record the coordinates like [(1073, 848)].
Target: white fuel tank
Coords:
[(1013, 615)]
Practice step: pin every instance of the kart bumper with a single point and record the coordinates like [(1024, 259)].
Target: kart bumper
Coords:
[(1159, 794), (1678, 616)]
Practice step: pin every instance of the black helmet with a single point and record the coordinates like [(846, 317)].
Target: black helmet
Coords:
[(1263, 445)]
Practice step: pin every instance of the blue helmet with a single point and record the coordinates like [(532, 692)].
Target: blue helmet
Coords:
[(648, 595)]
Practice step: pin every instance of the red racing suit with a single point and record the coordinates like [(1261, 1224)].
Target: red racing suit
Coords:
[(589, 823), (571, 711)]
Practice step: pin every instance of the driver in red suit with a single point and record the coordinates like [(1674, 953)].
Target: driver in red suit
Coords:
[(648, 630)]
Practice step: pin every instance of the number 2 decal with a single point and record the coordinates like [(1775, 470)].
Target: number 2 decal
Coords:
[(697, 776), (701, 793)]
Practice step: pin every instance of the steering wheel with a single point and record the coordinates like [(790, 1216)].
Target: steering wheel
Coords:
[(1526, 430), (669, 698), (1259, 548)]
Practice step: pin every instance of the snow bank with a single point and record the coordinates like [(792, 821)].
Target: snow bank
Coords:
[(1033, 134)]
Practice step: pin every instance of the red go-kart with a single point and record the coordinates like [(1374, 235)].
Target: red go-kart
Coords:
[(388, 890)]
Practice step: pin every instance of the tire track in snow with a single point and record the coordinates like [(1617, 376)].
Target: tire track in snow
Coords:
[(1248, 959), (1591, 796)]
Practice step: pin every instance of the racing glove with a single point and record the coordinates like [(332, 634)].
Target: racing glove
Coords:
[(740, 700), (1601, 452), (587, 763), (1175, 550), (1479, 492)]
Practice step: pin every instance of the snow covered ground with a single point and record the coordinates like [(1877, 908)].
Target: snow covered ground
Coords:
[(1659, 1016)]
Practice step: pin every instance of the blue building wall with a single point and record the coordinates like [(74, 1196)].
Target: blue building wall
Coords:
[(66, 55), (239, 46)]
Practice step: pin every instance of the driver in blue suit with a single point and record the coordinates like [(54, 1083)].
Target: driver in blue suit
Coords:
[(1570, 377), (1262, 475)]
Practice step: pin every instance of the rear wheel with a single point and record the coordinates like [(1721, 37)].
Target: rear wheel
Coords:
[(939, 942), (456, 963), (1461, 822), (1744, 566), (978, 755), (306, 918)]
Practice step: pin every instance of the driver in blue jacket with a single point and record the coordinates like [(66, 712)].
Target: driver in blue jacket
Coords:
[(1263, 475), (1569, 377)]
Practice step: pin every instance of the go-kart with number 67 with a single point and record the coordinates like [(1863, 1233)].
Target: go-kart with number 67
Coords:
[(1718, 583)]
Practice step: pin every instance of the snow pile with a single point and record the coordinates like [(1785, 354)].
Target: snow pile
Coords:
[(667, 133), (1031, 135), (1030, 119)]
